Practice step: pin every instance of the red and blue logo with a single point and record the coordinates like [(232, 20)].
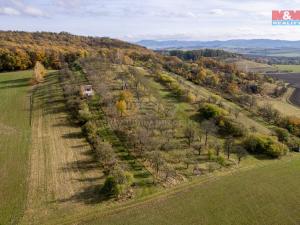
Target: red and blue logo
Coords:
[(286, 17)]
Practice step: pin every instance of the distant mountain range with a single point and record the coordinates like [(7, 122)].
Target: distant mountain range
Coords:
[(229, 44)]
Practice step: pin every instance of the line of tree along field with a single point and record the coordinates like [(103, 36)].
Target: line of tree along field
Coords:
[(21, 50)]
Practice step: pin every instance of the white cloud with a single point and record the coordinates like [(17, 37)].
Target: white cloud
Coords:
[(19, 8), (9, 11), (217, 12), (32, 11), (68, 3)]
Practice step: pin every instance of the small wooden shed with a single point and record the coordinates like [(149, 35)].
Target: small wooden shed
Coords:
[(86, 90)]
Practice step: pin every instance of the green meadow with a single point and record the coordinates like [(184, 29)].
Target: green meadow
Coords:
[(14, 144)]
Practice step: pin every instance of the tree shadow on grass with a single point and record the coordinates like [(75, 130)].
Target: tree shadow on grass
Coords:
[(196, 117), (62, 124), (82, 165), (14, 86), (15, 81), (55, 110), (82, 146), (90, 195), (73, 135), (90, 179), (262, 157)]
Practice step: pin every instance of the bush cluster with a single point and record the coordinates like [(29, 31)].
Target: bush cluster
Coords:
[(118, 183), (260, 144), (211, 111), (230, 127)]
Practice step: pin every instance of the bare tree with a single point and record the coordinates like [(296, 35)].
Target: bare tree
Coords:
[(143, 139), (188, 158), (157, 161), (217, 146), (209, 127), (190, 134), (241, 153), (198, 147), (228, 145)]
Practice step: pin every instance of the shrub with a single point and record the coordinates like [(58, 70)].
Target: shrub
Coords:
[(175, 88), (105, 154), (292, 124), (221, 160), (214, 99), (229, 127), (269, 113), (90, 131), (261, 144), (293, 143), (276, 150), (190, 97), (118, 183), (208, 111), (84, 113), (282, 134), (210, 154)]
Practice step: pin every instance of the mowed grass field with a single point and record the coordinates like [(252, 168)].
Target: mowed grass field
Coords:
[(14, 144), (289, 68), (268, 195), (64, 177)]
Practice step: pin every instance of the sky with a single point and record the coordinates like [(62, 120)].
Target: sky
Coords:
[(134, 20)]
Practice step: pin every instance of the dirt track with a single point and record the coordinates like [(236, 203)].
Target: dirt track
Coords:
[(294, 80), (63, 173)]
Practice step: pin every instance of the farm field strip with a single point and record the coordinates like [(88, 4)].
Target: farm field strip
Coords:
[(289, 68), (63, 174), (14, 144), (248, 65)]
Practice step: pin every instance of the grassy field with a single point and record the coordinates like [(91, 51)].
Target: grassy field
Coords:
[(14, 144), (285, 52), (289, 68), (282, 104), (63, 175), (265, 195), (251, 66)]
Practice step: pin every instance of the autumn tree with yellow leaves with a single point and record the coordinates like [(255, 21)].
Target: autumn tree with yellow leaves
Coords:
[(121, 107), (39, 72)]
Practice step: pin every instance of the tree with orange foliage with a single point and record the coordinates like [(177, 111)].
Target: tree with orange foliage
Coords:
[(39, 72), (127, 96), (202, 74), (233, 88)]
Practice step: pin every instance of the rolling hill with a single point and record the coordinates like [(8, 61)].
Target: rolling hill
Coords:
[(230, 44), (172, 138)]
